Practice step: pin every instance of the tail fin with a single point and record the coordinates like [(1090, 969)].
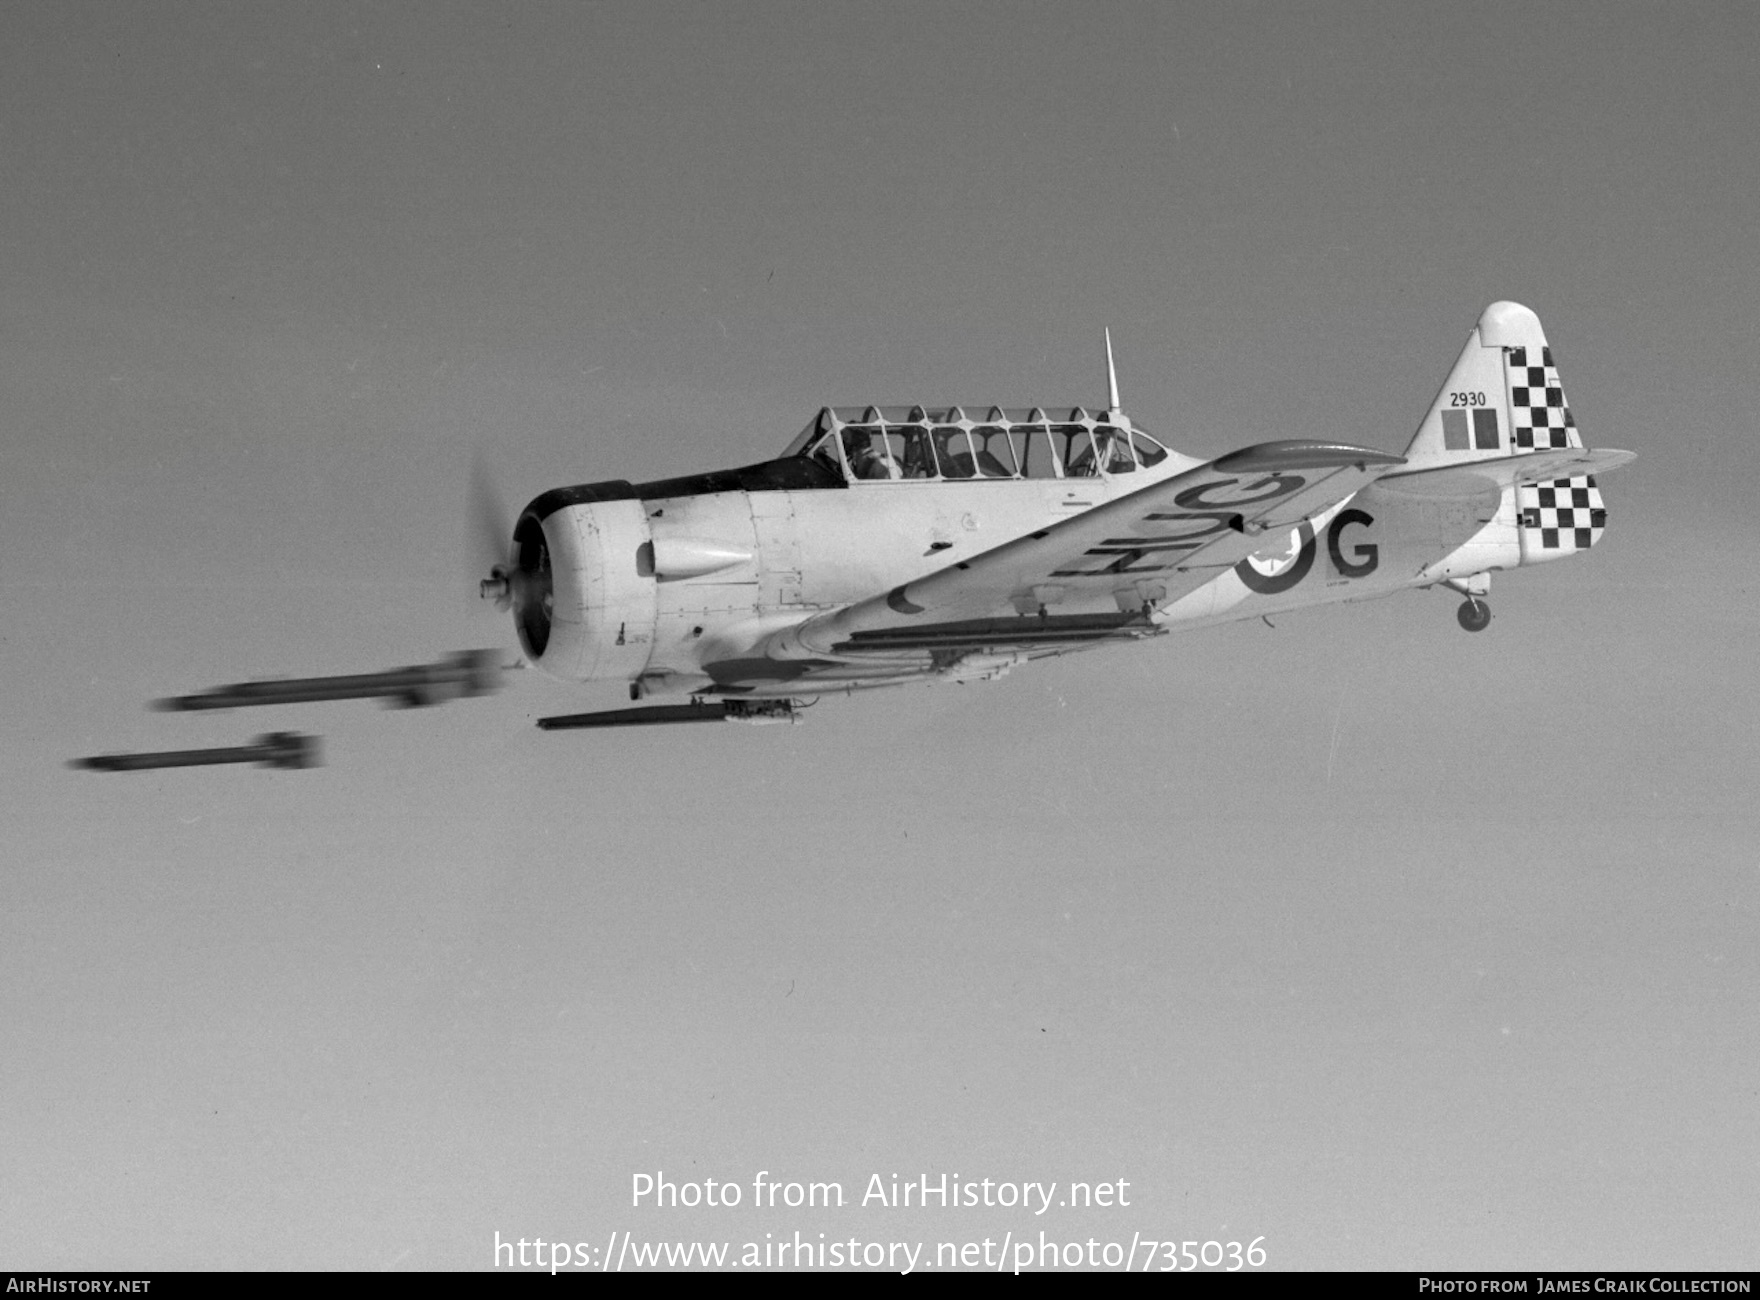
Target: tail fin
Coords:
[(1503, 403), (1502, 398)]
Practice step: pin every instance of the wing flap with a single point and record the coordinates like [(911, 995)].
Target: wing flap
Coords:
[(1147, 548)]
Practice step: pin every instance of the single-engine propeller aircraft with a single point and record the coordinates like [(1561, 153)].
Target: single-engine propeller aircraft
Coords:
[(890, 544)]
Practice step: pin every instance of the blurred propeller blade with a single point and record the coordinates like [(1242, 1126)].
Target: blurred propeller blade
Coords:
[(490, 534)]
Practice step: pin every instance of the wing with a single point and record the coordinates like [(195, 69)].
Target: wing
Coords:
[(1107, 566)]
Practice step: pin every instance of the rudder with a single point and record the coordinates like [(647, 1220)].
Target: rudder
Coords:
[(1560, 517)]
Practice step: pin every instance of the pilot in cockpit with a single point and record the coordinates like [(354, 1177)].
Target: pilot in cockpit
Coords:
[(864, 461)]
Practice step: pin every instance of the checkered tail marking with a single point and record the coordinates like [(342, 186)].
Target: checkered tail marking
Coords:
[(1565, 514), (1538, 416)]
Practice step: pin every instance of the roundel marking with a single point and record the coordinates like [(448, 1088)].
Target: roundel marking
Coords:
[(1271, 584)]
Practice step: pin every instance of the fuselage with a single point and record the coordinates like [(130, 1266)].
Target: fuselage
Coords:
[(680, 586)]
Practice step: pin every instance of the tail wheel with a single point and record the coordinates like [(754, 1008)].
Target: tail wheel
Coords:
[(1474, 615)]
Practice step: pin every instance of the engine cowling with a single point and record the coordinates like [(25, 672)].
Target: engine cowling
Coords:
[(584, 599)]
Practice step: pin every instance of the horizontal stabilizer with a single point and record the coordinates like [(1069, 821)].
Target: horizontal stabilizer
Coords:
[(1469, 480)]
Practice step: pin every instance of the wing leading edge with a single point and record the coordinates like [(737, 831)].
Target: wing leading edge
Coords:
[(1105, 569)]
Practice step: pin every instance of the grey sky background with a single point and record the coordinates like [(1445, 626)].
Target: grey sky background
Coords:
[(1395, 946)]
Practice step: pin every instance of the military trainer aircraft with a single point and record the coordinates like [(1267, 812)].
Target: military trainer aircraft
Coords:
[(890, 544)]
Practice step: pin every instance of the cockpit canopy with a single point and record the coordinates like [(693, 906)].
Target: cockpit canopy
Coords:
[(879, 444)]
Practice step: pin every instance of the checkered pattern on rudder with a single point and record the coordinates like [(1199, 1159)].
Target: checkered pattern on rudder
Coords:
[(1538, 416)]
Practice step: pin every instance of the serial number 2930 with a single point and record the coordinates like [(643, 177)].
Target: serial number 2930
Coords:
[(1466, 399)]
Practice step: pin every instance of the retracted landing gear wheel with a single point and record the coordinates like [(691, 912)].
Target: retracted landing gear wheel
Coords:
[(1475, 615)]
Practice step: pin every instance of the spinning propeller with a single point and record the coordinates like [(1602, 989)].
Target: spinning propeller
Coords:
[(517, 559)]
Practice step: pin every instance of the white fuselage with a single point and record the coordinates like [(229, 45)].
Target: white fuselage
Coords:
[(819, 549)]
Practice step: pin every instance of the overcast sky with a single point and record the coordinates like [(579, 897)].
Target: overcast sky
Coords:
[(1393, 946)]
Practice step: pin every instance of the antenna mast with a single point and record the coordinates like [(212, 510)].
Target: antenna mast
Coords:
[(1112, 404)]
